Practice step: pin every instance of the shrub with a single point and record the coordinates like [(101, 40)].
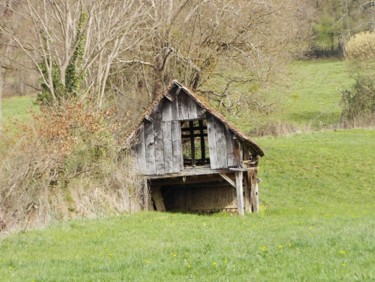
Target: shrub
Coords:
[(65, 164), (361, 46), (358, 103)]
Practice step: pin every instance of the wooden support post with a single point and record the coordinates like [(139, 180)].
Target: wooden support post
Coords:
[(146, 194), (203, 148), (254, 193), (239, 189), (192, 142), (158, 199), (247, 193)]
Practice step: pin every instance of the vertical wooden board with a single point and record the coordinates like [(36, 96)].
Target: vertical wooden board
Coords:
[(141, 150), (178, 163), (232, 161), (212, 141), (239, 190), (192, 107), (167, 146), (159, 146), (200, 112), (221, 146), (183, 106), (149, 147), (175, 110), (166, 110)]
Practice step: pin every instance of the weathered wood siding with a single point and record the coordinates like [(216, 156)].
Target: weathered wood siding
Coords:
[(221, 144), (159, 146)]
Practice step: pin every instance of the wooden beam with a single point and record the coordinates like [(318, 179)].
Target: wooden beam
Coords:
[(203, 147), (149, 118), (192, 142), (254, 192), (247, 189), (169, 97), (201, 170), (227, 178), (146, 194), (239, 188)]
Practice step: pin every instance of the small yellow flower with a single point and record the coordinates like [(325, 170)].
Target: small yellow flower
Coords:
[(264, 248), (280, 247), (342, 252), (214, 263)]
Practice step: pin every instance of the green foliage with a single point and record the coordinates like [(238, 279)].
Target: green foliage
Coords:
[(74, 75), (45, 97), (359, 101), (316, 224)]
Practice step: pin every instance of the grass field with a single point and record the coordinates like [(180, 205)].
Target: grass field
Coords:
[(313, 97), (317, 219), (317, 223)]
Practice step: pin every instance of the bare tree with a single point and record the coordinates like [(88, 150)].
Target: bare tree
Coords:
[(229, 47), (128, 51), (72, 41)]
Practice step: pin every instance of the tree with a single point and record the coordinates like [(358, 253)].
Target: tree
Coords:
[(225, 50), (69, 41), (130, 50)]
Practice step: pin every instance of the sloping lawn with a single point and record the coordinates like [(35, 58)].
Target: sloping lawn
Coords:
[(317, 222)]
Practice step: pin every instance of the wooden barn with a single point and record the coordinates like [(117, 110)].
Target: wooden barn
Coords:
[(193, 160)]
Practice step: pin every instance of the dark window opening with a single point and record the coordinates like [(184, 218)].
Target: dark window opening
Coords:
[(194, 142)]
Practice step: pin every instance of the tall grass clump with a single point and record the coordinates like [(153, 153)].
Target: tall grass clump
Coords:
[(65, 164)]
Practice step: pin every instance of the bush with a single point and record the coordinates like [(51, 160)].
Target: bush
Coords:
[(358, 103), (361, 47), (64, 164)]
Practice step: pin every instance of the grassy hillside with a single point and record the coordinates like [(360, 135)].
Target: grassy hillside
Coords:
[(313, 97), (317, 223), (317, 219)]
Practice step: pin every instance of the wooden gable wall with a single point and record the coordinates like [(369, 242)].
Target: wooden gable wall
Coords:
[(159, 145)]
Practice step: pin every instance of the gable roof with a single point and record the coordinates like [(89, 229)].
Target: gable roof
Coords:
[(175, 85)]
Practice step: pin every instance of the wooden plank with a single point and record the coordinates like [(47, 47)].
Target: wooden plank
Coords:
[(178, 163), (228, 179), (159, 146), (167, 146), (212, 141), (192, 107), (202, 135), (198, 170), (238, 152), (254, 190), (175, 110), (183, 106), (201, 112), (192, 143), (221, 146), (141, 150), (247, 188), (146, 193), (167, 110), (239, 190), (149, 147), (232, 161)]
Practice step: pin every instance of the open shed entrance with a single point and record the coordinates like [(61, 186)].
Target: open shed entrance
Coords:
[(198, 194)]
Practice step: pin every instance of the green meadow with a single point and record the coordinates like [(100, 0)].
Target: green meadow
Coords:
[(316, 223)]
